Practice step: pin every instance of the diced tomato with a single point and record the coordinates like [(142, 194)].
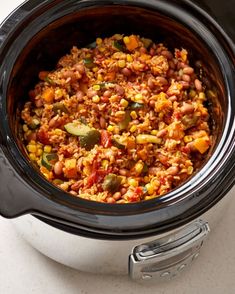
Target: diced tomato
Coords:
[(70, 173), (104, 99), (139, 191), (162, 181), (92, 179), (43, 136), (178, 115), (186, 149), (105, 139), (66, 153), (133, 197)]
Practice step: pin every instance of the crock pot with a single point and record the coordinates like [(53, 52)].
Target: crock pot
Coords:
[(154, 239)]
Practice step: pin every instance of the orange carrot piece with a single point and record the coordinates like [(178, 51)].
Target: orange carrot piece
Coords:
[(110, 76), (133, 43), (202, 144), (48, 95)]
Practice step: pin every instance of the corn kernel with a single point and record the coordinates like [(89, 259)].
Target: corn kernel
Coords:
[(58, 132), (121, 63), (47, 148), (58, 93), (150, 189), (96, 87), (188, 139), (32, 142), (96, 99), (39, 152), (32, 148), (100, 77), (70, 163), (133, 182), (110, 128), (123, 180), (146, 179), (25, 128), (154, 132), (99, 41), (192, 93), (129, 58), (202, 96), (161, 115), (126, 40), (133, 128), (102, 49), (124, 103), (139, 167), (64, 186), (95, 69), (105, 163), (138, 97), (133, 115), (32, 156)]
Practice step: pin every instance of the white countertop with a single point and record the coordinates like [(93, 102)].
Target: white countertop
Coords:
[(24, 270)]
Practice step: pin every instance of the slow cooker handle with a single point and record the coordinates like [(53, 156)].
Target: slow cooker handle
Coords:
[(165, 258), (14, 198), (17, 197)]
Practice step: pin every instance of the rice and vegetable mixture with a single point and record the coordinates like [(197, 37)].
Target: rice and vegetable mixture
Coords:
[(121, 121)]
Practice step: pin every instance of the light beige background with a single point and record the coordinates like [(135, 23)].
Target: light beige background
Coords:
[(23, 270)]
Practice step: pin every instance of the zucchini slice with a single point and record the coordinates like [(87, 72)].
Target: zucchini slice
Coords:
[(48, 160), (77, 129)]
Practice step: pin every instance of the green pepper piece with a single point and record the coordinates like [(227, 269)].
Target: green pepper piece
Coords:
[(57, 182), (125, 122), (49, 80), (89, 140), (112, 183), (117, 144), (59, 107), (34, 124), (106, 85), (118, 45), (147, 42), (88, 62), (145, 169), (48, 160)]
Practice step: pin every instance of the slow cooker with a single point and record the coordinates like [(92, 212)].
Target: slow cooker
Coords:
[(150, 240)]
